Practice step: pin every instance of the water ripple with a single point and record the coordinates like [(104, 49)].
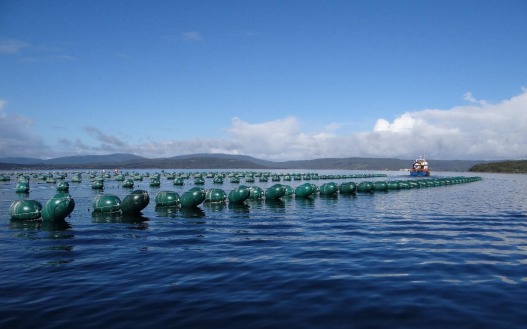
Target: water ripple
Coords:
[(451, 256)]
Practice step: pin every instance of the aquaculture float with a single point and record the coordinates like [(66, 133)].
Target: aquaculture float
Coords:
[(128, 183), (167, 199), (25, 209), (256, 193), (59, 207), (63, 186), (275, 192), (239, 194), (192, 198), (107, 203), (420, 167), (135, 201), (22, 187), (215, 195), (330, 188)]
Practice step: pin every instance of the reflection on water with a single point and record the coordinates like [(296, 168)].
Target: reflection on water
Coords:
[(56, 225), (214, 206), (118, 217), (166, 211), (275, 204), (196, 212), (241, 208)]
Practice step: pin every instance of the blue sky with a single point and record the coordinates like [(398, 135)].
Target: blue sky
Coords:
[(278, 80)]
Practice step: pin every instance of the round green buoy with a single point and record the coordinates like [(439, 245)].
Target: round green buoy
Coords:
[(178, 181), (135, 201), (365, 187), (63, 186), (239, 194), (289, 191), (167, 199), (215, 195), (380, 186), (128, 183), (97, 185), (275, 192), (58, 208), (192, 198), (25, 209), (304, 190), (256, 193), (77, 178), (348, 188), (106, 203), (329, 188), (22, 187)]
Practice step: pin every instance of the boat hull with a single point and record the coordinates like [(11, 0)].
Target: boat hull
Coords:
[(420, 173)]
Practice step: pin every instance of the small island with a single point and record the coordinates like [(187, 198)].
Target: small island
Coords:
[(511, 167)]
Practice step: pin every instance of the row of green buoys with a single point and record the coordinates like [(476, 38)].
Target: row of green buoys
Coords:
[(57, 208), (133, 203), (62, 204), (199, 178), (196, 195)]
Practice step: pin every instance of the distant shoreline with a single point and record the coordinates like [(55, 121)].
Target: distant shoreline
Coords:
[(228, 161)]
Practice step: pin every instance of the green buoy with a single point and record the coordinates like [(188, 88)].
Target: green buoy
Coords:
[(215, 195), (135, 201), (329, 188), (22, 187), (106, 203), (304, 190), (239, 194), (348, 188), (256, 193), (275, 192), (167, 199), (58, 208), (25, 209), (192, 198), (128, 183)]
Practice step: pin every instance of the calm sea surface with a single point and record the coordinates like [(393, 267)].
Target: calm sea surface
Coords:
[(439, 257)]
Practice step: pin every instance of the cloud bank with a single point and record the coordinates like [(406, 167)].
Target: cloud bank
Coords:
[(479, 130)]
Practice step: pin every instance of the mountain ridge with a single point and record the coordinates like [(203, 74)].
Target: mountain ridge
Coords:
[(224, 161)]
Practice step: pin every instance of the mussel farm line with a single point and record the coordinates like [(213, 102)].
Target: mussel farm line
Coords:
[(62, 204)]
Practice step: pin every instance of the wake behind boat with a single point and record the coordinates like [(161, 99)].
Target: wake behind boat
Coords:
[(420, 167)]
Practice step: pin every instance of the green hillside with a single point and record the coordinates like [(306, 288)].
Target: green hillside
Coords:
[(513, 167)]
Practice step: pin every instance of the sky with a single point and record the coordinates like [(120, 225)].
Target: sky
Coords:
[(276, 80)]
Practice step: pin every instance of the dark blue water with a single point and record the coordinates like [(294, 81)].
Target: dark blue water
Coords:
[(451, 256)]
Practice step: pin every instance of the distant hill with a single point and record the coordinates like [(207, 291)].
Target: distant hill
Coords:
[(515, 167), (223, 161), (94, 159), (74, 160), (20, 160)]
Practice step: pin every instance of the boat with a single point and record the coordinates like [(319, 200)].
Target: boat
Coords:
[(420, 167)]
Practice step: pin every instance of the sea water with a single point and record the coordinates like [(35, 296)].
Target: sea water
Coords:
[(450, 256)]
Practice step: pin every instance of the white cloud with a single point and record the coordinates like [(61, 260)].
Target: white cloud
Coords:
[(107, 139), (192, 36), (17, 137), (11, 46), (469, 97), (480, 130)]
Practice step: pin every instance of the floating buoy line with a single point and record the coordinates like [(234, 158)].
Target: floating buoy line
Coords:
[(62, 204)]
